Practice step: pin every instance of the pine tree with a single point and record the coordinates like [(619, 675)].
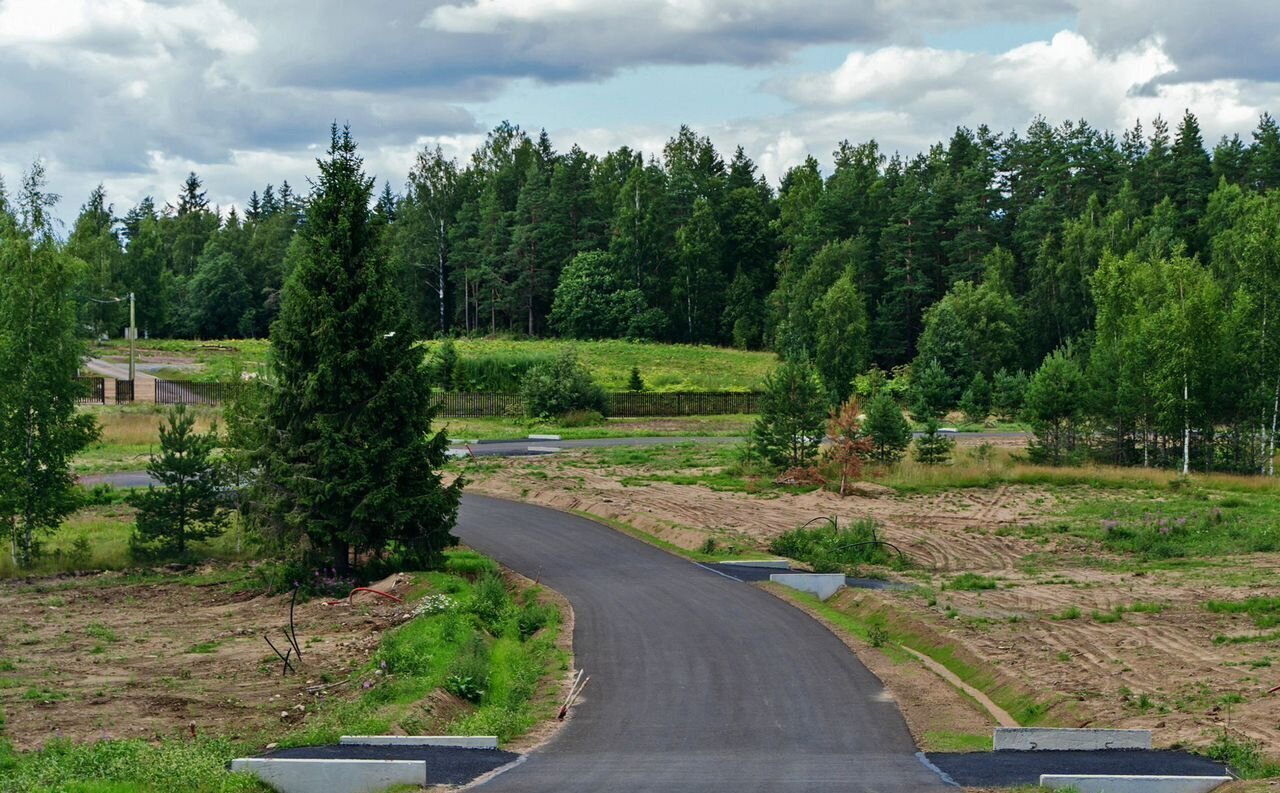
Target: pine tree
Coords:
[(1055, 397), (934, 447), (887, 428), (933, 391), (792, 416), (1007, 393), (350, 459), (975, 403), (40, 430), (187, 507)]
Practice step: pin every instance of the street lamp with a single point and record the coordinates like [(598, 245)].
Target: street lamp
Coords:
[(131, 332)]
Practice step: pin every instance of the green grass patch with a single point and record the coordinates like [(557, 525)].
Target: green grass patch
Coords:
[(131, 766), (1244, 756), (943, 741), (1265, 611), (830, 548), (971, 582), (1069, 613)]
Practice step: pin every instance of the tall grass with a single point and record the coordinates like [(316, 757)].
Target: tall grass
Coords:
[(497, 372)]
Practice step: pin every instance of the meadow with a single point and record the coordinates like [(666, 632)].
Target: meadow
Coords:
[(664, 367)]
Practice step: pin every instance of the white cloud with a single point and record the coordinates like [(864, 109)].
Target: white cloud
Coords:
[(110, 24)]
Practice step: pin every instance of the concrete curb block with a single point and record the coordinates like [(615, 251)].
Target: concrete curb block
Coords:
[(824, 585), (294, 775), (1068, 739), (772, 564), (457, 741), (1103, 783), (544, 437)]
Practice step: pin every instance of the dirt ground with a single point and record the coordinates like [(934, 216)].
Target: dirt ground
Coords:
[(1160, 670), (92, 657)]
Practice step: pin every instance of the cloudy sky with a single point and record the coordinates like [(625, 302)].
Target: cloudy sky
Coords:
[(136, 93)]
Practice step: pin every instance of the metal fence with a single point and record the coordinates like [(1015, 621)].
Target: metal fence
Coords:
[(124, 391), (635, 404), (93, 391), (186, 392), (468, 405)]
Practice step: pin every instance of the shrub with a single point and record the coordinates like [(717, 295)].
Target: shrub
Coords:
[(971, 582), (495, 373), (533, 617), (877, 633), (469, 674), (490, 601), (554, 388), (830, 548), (581, 418)]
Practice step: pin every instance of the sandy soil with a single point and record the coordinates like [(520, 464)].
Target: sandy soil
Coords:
[(95, 658), (1158, 670)]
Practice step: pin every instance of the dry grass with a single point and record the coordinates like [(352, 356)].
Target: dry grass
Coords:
[(139, 425), (976, 466)]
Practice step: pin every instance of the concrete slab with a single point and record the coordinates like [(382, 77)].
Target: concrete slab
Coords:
[(544, 449), (458, 741), (772, 564), (824, 585), (1102, 783), (544, 437), (1067, 739), (288, 775)]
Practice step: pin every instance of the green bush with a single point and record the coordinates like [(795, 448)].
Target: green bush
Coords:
[(533, 617), (554, 388), (581, 418), (971, 582), (495, 373), (831, 549), (490, 602)]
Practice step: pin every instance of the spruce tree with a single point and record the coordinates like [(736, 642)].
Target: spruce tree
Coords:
[(636, 383), (187, 506), (350, 459), (975, 403), (931, 390)]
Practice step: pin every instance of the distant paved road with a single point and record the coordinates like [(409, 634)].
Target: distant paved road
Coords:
[(698, 682)]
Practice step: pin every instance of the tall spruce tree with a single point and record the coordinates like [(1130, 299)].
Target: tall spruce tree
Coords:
[(350, 461)]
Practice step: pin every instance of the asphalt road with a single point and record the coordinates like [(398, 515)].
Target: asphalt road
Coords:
[(698, 682)]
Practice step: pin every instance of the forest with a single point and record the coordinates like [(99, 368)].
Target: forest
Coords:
[(1130, 282)]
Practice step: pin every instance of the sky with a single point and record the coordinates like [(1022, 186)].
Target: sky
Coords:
[(134, 94)]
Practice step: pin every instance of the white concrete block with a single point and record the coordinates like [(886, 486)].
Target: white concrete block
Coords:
[(1114, 783), (824, 585), (460, 741), (1067, 739), (544, 437), (777, 564), (298, 775)]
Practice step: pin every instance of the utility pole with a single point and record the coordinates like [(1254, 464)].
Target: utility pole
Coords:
[(133, 335)]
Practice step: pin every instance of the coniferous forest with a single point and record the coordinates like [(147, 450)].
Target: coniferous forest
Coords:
[(1120, 289)]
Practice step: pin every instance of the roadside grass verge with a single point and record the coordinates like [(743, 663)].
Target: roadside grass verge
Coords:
[(478, 644), (863, 615), (707, 554)]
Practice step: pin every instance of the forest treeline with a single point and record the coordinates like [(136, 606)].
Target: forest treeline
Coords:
[(1141, 268)]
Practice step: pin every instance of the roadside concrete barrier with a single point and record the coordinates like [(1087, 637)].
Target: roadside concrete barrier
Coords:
[(294, 775), (544, 437), (1103, 783), (457, 741), (1068, 739), (776, 564), (824, 585)]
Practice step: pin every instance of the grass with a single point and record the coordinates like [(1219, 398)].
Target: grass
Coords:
[(129, 435), (829, 548), (971, 582), (664, 367), (97, 538), (1265, 611), (1244, 756), (943, 741)]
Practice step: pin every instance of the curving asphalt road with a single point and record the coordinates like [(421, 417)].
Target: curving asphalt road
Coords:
[(698, 682)]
